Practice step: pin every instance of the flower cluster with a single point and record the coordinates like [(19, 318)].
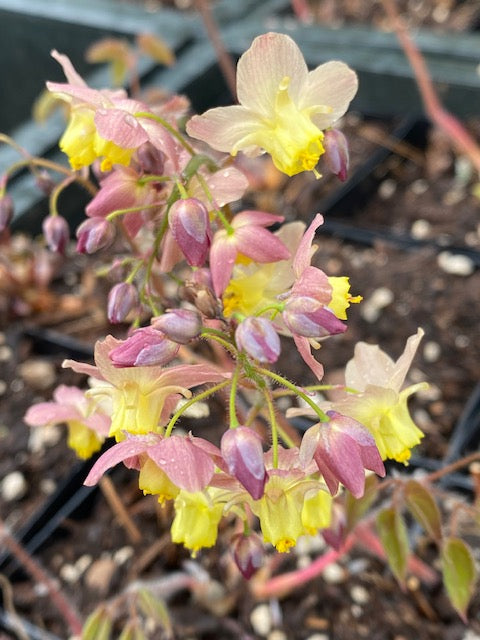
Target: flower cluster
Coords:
[(188, 269)]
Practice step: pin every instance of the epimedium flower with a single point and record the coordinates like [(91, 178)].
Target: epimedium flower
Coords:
[(142, 397), (249, 238), (103, 124), (197, 515), (381, 404), (87, 425), (283, 109)]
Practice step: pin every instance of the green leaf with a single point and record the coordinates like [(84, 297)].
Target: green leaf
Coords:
[(356, 508), (459, 573), (423, 508), (98, 625), (393, 534), (156, 609)]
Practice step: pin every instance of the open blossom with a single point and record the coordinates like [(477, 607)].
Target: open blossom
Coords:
[(103, 124), (381, 405), (142, 397), (87, 425), (283, 109)]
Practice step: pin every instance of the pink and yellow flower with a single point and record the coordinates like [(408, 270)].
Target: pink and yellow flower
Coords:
[(283, 109)]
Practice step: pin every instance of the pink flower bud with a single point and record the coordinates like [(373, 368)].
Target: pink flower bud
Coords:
[(180, 325), (190, 226), (145, 347), (151, 159), (6, 211), (257, 336), (56, 232), (307, 317), (122, 299), (242, 451), (336, 153), (248, 553), (94, 234), (44, 182)]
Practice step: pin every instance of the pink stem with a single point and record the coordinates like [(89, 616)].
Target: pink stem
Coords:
[(460, 137), (302, 10), (38, 574)]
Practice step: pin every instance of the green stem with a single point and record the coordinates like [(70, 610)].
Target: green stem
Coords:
[(192, 401), (134, 272), (141, 207), (273, 425), (227, 345), (286, 383), (233, 393), (228, 227), (176, 134), (55, 194)]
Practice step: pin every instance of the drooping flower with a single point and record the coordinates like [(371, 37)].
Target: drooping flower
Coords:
[(87, 425), (103, 124), (142, 397), (381, 405), (196, 519), (283, 109), (242, 451), (342, 449)]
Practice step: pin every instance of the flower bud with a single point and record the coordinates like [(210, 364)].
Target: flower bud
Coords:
[(94, 234), (151, 159), (44, 182), (243, 453), (257, 336), (145, 347), (190, 226), (248, 553), (180, 325), (56, 232), (336, 153), (6, 211), (122, 299), (307, 317)]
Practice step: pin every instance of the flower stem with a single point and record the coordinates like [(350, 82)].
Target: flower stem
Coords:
[(273, 424), (286, 383), (233, 394), (176, 134), (192, 401)]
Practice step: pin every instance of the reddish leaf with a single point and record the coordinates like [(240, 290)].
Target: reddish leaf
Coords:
[(355, 508)]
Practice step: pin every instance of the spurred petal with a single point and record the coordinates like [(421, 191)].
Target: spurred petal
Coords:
[(222, 259), (45, 413), (68, 69), (224, 128), (254, 217), (226, 185), (403, 363), (261, 69), (332, 84)]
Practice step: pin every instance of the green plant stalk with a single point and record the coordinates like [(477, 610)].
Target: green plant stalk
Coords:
[(176, 134)]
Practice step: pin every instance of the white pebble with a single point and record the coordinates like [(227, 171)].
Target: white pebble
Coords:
[(3, 387), (359, 594), (47, 486), (42, 438), (318, 636), (334, 574), (5, 353), (420, 229), (379, 299), (387, 188), (261, 619), (455, 264), (431, 351), (122, 555), (462, 341), (38, 374), (356, 610), (419, 186), (13, 486), (69, 573), (277, 634)]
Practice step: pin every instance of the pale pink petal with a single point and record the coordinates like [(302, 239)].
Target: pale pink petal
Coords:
[(226, 185), (120, 127), (128, 448), (171, 253), (227, 129), (304, 252), (370, 365), (261, 69), (191, 375), (99, 422), (222, 259), (161, 139), (186, 465), (304, 349), (83, 94), (313, 283), (69, 395), (402, 365), (332, 84), (259, 218), (45, 413), (83, 367), (68, 69), (260, 245)]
